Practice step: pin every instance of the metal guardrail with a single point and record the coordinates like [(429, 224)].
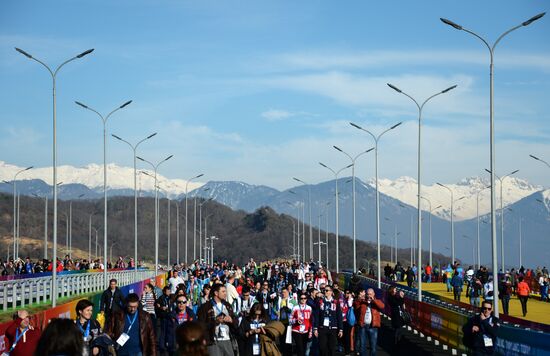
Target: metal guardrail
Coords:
[(18, 293)]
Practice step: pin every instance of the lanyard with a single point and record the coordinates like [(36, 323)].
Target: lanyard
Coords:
[(131, 321), (256, 326), (219, 310), (182, 318), (87, 332), (17, 337)]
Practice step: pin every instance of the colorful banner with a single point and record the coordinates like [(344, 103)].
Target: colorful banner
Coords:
[(68, 310), (446, 325)]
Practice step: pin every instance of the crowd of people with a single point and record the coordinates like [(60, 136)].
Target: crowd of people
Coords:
[(279, 308), (19, 266), (274, 308), (476, 285)]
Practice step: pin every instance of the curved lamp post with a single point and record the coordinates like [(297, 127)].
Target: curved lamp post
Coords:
[(155, 168), (419, 182), (134, 149), (336, 173), (53, 74), (492, 138), (501, 179), (104, 121), (186, 193), (353, 159), (310, 225), (376, 139)]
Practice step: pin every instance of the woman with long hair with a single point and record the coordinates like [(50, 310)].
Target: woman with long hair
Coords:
[(60, 337), (252, 326)]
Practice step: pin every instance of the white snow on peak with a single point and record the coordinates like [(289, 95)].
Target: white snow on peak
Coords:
[(91, 176), (465, 194)]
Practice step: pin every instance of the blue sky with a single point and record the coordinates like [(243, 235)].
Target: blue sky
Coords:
[(259, 91)]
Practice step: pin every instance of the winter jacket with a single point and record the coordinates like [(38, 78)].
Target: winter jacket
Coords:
[(331, 310), (360, 308), (146, 330)]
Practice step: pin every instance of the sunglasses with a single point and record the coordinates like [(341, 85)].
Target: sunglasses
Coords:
[(485, 308), (182, 301), (304, 298)]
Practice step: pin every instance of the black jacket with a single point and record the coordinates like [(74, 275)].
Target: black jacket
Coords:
[(488, 327), (206, 315), (112, 302), (329, 310)]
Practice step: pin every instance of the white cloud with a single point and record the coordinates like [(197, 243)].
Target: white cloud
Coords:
[(276, 115)]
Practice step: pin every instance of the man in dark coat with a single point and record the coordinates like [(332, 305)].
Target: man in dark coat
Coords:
[(112, 300), (480, 332)]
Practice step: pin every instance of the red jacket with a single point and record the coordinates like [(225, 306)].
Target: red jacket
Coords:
[(360, 308), (26, 344)]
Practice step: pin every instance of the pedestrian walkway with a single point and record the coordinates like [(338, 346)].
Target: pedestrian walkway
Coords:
[(537, 311)]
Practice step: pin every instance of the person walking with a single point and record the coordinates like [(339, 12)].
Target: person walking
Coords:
[(523, 292), (457, 282), (21, 338), (505, 293), (396, 301), (88, 326), (475, 292), (112, 301), (221, 323), (328, 326), (302, 325), (367, 310), (132, 330), (252, 327), (480, 332), (182, 314)]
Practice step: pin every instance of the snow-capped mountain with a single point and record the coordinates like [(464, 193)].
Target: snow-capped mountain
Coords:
[(91, 176), (465, 194)]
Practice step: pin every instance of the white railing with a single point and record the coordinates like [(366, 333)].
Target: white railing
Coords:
[(18, 293)]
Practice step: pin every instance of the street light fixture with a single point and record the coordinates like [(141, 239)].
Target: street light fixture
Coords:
[(105, 229), (501, 179), (310, 225), (353, 159), (186, 193), (376, 139), (540, 160), (134, 149), (53, 74), (15, 212), (452, 220), (419, 182), (492, 139), (155, 168), (336, 173)]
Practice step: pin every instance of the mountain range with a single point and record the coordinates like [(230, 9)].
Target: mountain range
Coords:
[(522, 201)]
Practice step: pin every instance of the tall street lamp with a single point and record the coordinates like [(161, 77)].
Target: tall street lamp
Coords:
[(295, 234), (419, 182), (492, 139), (195, 221), (302, 204), (134, 149), (155, 168), (310, 225), (45, 223), (376, 139), (15, 215), (477, 210), (452, 220), (501, 179), (71, 226), (212, 238), (53, 74), (104, 121), (430, 225), (186, 193), (353, 159), (336, 173), (90, 236), (200, 227)]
